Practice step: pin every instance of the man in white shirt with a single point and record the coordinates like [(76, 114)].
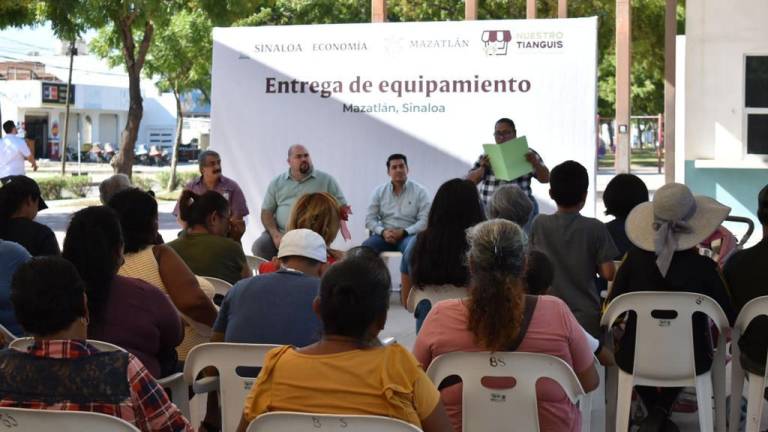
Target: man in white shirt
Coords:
[(398, 211), (13, 152)]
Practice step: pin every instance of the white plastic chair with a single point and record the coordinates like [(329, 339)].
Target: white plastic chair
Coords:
[(33, 420), (233, 388), (433, 293), (254, 262), (753, 309), (279, 421), (484, 409), (392, 261), (174, 382), (664, 356), (222, 287)]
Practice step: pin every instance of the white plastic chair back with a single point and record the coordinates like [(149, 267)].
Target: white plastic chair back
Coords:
[(233, 388), (665, 354), (298, 422), (31, 420), (753, 309), (433, 293), (7, 335), (221, 286), (254, 262), (175, 382), (484, 409)]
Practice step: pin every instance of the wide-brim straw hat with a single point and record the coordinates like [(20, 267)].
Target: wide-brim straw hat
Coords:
[(675, 202)]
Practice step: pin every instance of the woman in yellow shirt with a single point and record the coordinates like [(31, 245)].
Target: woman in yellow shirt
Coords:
[(348, 371)]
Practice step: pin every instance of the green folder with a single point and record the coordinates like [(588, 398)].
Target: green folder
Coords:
[(508, 158)]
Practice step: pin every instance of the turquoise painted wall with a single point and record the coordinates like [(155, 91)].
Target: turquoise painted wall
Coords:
[(736, 188)]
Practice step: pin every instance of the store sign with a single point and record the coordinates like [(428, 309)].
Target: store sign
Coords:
[(57, 93)]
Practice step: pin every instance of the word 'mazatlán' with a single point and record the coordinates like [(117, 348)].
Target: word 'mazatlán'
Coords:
[(420, 86)]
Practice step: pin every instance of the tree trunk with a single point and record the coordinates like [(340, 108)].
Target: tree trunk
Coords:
[(124, 160), (639, 133), (175, 156), (610, 135)]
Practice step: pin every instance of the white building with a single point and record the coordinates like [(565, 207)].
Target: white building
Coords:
[(99, 111), (725, 101)]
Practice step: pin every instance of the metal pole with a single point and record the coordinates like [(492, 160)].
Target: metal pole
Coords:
[(470, 10), (530, 9), (378, 11), (623, 61), (670, 54), (63, 151)]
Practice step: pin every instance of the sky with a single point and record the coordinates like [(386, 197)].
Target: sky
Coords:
[(16, 42)]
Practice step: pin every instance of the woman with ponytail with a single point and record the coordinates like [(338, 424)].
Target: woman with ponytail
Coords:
[(348, 371), (498, 316), (20, 200), (204, 246), (127, 312)]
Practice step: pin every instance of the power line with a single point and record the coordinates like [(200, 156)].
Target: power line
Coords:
[(54, 66)]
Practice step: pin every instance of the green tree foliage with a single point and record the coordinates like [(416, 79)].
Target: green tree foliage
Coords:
[(180, 58), (17, 13)]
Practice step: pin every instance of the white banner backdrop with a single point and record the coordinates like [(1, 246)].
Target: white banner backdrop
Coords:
[(355, 93)]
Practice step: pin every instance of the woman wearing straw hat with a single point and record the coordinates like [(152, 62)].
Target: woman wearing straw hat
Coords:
[(664, 234)]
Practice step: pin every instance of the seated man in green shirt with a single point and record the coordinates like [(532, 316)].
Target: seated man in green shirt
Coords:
[(283, 191)]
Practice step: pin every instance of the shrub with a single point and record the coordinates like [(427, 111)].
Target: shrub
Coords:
[(78, 186), (182, 178), (51, 187), (143, 183)]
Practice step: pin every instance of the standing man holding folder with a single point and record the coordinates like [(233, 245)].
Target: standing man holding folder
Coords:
[(482, 174)]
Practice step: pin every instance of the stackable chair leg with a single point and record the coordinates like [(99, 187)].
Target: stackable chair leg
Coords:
[(704, 400), (623, 400), (754, 402)]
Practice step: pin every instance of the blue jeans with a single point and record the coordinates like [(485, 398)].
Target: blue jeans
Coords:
[(377, 243)]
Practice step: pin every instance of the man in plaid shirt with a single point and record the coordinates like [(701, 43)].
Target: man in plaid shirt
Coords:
[(61, 371), (482, 175)]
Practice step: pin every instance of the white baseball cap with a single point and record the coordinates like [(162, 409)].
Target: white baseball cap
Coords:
[(305, 243)]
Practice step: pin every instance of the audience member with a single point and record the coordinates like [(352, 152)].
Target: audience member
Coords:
[(622, 194), (348, 371), (204, 246), (498, 316), (276, 308), (211, 179), (578, 246), (746, 273), (127, 312), (61, 370), (112, 185), (20, 200), (665, 233), (511, 203), (160, 266), (319, 212), (12, 255), (398, 209), (13, 152), (539, 275), (301, 178), (482, 174), (437, 255)]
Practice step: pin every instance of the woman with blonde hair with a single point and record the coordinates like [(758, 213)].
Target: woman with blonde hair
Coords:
[(498, 316), (319, 212)]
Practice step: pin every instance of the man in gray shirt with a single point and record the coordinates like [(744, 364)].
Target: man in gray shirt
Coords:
[(398, 211), (283, 191), (578, 246)]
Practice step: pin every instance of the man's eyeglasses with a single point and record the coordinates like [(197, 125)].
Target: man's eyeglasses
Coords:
[(213, 163), (503, 133)]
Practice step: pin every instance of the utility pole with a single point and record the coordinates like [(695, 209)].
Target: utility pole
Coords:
[(63, 152)]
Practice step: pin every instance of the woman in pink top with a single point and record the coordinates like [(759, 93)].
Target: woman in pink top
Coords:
[(493, 318)]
